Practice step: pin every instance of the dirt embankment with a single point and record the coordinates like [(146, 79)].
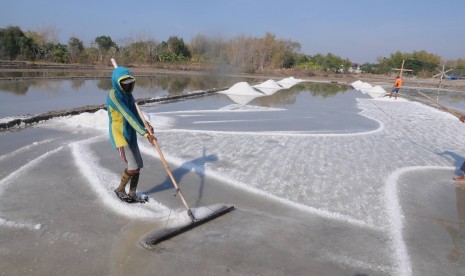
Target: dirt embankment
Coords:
[(22, 70)]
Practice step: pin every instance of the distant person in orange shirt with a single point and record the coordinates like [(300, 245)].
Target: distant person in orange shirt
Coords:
[(396, 87)]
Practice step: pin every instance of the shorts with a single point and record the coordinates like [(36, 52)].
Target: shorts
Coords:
[(395, 89), (131, 156)]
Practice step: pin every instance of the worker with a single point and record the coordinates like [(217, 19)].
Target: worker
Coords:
[(396, 87), (124, 124)]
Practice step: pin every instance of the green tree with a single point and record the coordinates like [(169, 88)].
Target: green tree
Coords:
[(14, 44), (55, 52), (371, 68), (172, 50), (75, 49), (105, 42), (104, 45), (423, 63), (9, 42), (176, 46), (27, 48)]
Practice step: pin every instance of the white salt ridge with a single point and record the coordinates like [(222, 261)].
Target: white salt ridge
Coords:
[(24, 149), (96, 120), (101, 179), (20, 225), (375, 92), (12, 118), (15, 175), (268, 87), (25, 169), (248, 108)]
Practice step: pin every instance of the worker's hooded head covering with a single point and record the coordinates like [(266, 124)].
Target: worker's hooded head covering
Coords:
[(123, 80)]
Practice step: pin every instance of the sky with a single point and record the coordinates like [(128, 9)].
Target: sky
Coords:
[(361, 30)]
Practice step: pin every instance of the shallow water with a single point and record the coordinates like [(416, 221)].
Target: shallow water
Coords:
[(305, 108), (39, 96)]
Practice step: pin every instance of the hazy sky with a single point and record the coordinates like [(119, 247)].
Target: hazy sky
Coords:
[(360, 30)]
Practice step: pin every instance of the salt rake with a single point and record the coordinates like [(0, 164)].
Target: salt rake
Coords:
[(440, 104), (212, 211)]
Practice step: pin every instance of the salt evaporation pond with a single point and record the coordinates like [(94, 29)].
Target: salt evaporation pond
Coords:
[(326, 180)]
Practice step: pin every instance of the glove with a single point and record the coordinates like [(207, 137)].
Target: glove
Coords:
[(150, 128), (151, 138)]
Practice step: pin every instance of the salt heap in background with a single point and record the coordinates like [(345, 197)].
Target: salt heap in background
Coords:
[(268, 87), (366, 88), (289, 82), (242, 93)]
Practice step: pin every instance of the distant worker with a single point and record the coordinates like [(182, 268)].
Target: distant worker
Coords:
[(124, 124), (396, 87)]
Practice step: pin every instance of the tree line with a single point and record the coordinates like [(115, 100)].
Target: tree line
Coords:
[(241, 53)]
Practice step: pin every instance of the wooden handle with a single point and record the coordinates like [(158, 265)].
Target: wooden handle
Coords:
[(113, 61), (165, 164)]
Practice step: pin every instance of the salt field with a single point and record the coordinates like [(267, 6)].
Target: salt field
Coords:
[(343, 181)]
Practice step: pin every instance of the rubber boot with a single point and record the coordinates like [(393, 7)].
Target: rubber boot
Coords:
[(133, 186), (121, 190)]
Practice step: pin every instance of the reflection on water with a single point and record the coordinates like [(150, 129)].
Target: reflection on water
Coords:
[(38, 96), (324, 90), (22, 88), (295, 110), (53, 73), (18, 88), (173, 85), (452, 99)]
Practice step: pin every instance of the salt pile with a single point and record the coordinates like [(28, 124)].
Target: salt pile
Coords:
[(366, 88), (243, 89), (356, 84), (242, 93), (289, 82), (375, 92), (361, 86), (97, 120), (268, 87)]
